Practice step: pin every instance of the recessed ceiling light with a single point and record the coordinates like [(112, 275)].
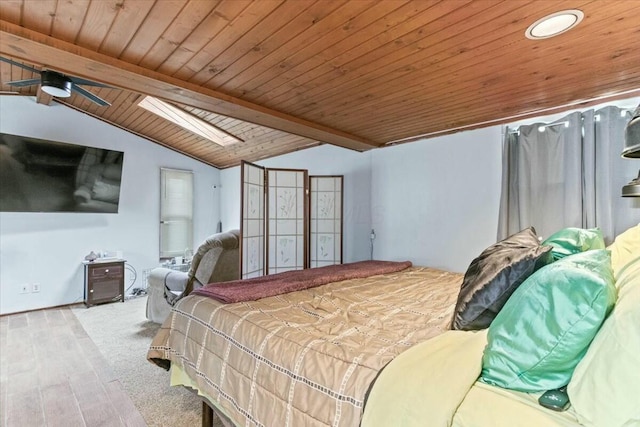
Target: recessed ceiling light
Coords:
[(554, 24)]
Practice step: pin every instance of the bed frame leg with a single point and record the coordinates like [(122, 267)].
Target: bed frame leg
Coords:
[(207, 415)]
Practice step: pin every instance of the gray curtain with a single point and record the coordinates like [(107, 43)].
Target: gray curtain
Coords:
[(569, 175), (604, 134)]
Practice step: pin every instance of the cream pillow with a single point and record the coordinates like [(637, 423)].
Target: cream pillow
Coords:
[(625, 248), (605, 387)]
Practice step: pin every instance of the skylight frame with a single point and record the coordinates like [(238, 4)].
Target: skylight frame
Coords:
[(188, 121)]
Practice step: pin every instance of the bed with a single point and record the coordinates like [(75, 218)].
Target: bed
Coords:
[(305, 358), (378, 351)]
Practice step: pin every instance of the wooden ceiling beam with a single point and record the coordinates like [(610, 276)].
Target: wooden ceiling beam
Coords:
[(31, 46)]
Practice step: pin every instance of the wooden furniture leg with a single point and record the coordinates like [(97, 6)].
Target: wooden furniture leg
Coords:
[(207, 415)]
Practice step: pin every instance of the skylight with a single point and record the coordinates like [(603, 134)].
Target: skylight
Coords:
[(188, 121)]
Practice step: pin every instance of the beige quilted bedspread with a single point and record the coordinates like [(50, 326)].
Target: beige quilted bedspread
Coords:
[(306, 358)]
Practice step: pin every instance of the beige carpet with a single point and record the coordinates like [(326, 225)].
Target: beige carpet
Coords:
[(123, 335)]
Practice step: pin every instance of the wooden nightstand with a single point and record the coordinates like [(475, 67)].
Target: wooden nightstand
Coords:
[(103, 281)]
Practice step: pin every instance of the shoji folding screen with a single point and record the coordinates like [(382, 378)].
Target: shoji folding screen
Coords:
[(276, 218), (286, 221), (252, 246), (326, 220)]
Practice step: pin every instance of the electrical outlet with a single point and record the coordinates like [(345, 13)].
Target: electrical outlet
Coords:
[(35, 287), (24, 289)]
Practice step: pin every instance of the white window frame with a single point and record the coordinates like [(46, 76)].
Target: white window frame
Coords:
[(176, 212)]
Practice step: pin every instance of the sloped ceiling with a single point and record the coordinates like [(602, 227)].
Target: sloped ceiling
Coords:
[(287, 75)]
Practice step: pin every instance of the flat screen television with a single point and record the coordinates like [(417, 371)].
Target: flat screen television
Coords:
[(38, 175)]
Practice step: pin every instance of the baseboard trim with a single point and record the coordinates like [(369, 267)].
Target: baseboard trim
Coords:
[(73, 304)]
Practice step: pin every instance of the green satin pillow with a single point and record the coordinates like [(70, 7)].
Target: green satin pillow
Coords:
[(571, 240), (545, 328)]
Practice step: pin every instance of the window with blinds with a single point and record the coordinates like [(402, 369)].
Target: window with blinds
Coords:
[(176, 212)]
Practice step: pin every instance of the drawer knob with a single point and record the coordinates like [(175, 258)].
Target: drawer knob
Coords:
[(90, 291), (106, 270)]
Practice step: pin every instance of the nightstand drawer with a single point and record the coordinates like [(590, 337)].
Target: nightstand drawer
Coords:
[(113, 270)]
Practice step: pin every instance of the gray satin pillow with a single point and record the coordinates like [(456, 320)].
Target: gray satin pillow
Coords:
[(494, 275)]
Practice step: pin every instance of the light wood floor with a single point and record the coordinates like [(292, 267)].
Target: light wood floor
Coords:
[(52, 374)]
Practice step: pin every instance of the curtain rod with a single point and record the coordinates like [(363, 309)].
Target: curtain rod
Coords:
[(565, 123), (542, 128), (623, 112)]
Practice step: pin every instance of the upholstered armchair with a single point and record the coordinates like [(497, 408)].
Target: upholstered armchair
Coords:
[(216, 260)]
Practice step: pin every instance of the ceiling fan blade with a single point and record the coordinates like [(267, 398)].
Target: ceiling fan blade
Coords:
[(22, 83), (90, 96), (17, 64), (79, 81)]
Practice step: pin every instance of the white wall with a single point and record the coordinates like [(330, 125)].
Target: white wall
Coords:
[(322, 160), (48, 248), (435, 202)]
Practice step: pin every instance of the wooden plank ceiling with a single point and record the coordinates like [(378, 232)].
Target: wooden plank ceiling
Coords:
[(284, 75)]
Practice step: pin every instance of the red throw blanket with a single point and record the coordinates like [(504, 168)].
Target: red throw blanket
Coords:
[(289, 281)]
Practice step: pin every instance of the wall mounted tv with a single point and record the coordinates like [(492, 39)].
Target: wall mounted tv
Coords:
[(37, 175)]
